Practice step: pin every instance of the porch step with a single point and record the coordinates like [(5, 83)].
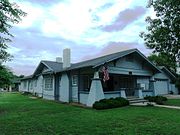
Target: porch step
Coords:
[(136, 100)]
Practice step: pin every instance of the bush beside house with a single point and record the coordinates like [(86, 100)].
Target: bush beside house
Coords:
[(110, 103), (157, 99)]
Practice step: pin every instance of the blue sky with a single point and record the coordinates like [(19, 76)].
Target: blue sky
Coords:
[(90, 28)]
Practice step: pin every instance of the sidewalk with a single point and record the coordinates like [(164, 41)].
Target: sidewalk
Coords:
[(164, 106), (167, 106)]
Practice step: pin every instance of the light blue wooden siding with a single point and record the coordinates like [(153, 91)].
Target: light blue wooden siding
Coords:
[(24, 85), (148, 93), (75, 93), (112, 94), (137, 67), (83, 97), (38, 89), (74, 86), (148, 90), (144, 81), (65, 88), (161, 84), (134, 64), (161, 87)]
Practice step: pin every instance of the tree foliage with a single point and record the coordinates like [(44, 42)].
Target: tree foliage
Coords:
[(163, 32), (6, 76), (9, 14), (163, 59)]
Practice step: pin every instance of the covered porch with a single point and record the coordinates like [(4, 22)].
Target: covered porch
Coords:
[(119, 85)]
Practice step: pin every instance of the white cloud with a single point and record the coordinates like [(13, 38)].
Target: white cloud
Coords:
[(34, 14), (79, 20), (73, 23)]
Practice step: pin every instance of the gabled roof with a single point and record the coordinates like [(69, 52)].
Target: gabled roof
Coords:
[(55, 67), (169, 73), (104, 59), (51, 65)]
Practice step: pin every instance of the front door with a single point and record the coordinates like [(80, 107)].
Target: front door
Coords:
[(129, 83)]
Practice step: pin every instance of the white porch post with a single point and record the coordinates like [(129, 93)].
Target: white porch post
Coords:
[(139, 93), (96, 91), (152, 81), (123, 93)]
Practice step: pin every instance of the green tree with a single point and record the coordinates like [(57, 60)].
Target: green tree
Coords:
[(162, 59), (163, 32), (9, 14), (6, 76)]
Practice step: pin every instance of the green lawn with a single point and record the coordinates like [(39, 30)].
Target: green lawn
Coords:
[(173, 102), (21, 115)]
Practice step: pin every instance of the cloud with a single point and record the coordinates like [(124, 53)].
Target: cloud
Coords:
[(113, 47), (124, 19), (81, 25)]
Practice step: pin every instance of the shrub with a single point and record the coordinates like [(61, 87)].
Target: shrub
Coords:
[(157, 99), (110, 103)]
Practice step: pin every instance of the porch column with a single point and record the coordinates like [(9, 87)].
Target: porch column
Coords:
[(152, 87), (96, 91), (138, 93), (123, 93)]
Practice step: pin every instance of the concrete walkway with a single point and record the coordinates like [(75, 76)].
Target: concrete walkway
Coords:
[(172, 96), (164, 106), (167, 106), (142, 104)]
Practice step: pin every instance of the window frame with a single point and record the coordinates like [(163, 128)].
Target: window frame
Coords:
[(48, 83), (74, 80)]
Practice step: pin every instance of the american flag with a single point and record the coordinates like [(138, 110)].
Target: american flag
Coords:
[(106, 74)]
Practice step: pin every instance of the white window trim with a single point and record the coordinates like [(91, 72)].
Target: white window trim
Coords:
[(50, 83), (74, 82)]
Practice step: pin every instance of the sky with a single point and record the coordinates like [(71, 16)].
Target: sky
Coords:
[(90, 28)]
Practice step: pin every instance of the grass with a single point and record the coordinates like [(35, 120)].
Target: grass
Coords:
[(172, 102), (22, 115)]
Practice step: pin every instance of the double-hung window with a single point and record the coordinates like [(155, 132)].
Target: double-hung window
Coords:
[(48, 82), (74, 80)]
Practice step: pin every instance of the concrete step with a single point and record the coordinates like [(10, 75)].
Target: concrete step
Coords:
[(136, 100), (132, 99)]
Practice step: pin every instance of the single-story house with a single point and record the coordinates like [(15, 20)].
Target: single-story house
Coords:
[(131, 74)]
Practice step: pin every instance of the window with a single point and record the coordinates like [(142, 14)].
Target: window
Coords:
[(74, 80), (48, 82), (86, 82)]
